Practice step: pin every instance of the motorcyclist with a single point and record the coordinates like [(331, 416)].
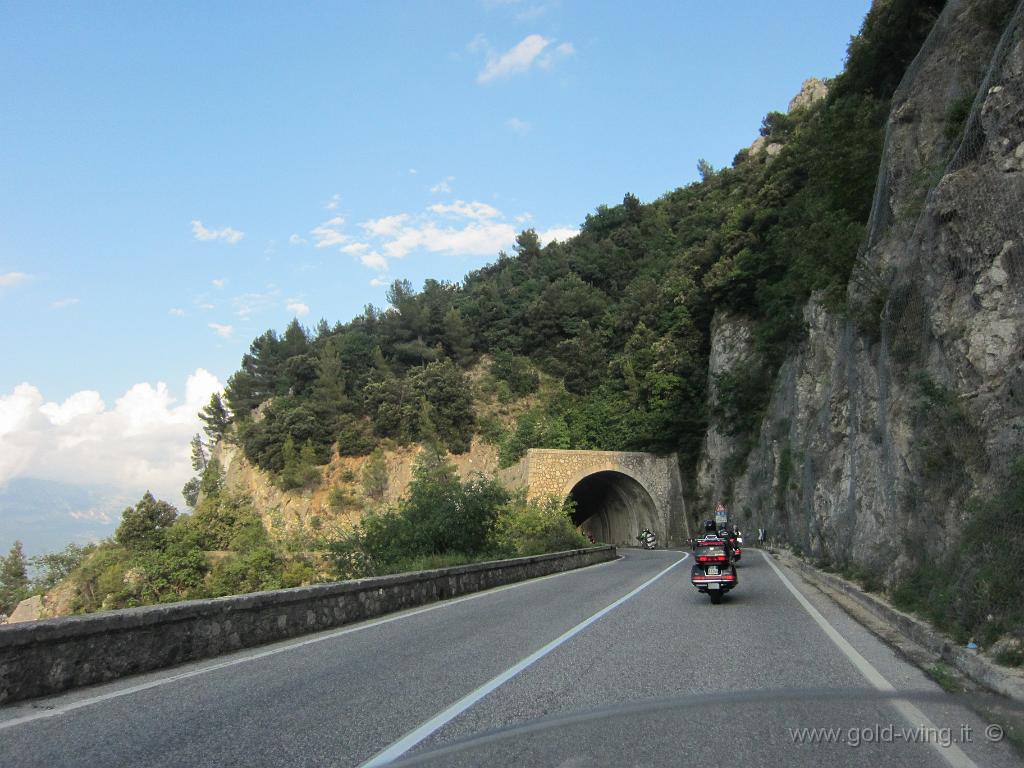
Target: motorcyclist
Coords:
[(647, 538)]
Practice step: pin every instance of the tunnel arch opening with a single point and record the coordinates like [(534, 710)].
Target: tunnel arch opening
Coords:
[(614, 507)]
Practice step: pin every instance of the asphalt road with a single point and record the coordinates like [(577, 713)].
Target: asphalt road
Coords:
[(609, 665)]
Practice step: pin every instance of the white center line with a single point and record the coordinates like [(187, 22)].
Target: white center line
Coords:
[(438, 721), (952, 754)]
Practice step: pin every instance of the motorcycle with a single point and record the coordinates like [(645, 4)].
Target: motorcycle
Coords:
[(713, 573), (735, 542), (647, 539)]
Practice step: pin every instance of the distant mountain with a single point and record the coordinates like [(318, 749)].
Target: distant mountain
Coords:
[(45, 515)]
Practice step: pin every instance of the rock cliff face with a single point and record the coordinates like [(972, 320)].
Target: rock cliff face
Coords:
[(731, 347), (889, 419)]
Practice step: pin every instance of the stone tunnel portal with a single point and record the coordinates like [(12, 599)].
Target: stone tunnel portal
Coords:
[(614, 508)]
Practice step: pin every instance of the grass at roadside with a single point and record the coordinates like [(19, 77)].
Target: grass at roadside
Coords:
[(945, 677)]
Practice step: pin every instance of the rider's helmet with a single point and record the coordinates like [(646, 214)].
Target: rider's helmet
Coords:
[(710, 527)]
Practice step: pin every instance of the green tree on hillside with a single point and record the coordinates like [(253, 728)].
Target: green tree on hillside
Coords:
[(13, 578), (144, 526), (216, 418), (54, 567), (199, 457)]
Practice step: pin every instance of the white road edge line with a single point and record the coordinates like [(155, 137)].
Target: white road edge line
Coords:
[(952, 754), (73, 705), (414, 737)]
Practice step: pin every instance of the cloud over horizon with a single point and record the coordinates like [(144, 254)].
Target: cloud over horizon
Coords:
[(140, 443)]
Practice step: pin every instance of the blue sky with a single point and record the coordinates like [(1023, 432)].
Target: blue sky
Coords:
[(179, 177)]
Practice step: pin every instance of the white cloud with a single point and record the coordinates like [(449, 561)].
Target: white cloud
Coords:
[(297, 308), (386, 225), (8, 279), (460, 208), (62, 303), (557, 233), (514, 61), (141, 442), (218, 283), (373, 260), (560, 51), (444, 186), (377, 282), (517, 126), (228, 234), (413, 171), (248, 304), (333, 203), (522, 218), (328, 234), (93, 515), (176, 311), (461, 228), (296, 240), (84, 403), (206, 305), (224, 331), (474, 239)]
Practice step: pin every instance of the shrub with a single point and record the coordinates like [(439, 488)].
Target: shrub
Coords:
[(375, 475), (529, 527), (340, 498), (515, 371), (300, 469)]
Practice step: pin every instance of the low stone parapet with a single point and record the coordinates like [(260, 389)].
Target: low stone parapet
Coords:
[(38, 658)]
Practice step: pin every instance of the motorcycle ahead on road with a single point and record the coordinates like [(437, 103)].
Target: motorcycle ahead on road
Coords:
[(713, 573), (735, 543), (647, 539)]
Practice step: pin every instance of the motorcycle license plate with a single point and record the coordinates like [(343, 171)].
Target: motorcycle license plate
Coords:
[(712, 570), (714, 585)]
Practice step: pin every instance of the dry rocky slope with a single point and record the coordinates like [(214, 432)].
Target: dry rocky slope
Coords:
[(311, 509), (887, 421)]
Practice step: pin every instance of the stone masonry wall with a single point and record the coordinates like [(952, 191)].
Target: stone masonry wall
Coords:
[(553, 472), (39, 658)]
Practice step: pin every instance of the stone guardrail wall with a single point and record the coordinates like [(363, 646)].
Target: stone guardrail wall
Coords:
[(44, 657)]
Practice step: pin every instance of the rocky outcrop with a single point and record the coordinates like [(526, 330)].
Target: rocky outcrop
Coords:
[(29, 609), (888, 421), (59, 601), (811, 91)]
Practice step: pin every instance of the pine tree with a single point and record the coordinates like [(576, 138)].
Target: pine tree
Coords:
[(457, 341), (13, 578), (216, 418), (190, 492), (199, 459)]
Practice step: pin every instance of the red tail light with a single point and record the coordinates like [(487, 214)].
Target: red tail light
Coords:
[(711, 558)]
